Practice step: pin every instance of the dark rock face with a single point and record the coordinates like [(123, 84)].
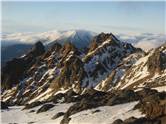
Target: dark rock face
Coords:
[(14, 69), (4, 105), (45, 108), (58, 115)]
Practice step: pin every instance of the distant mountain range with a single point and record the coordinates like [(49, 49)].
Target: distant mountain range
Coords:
[(109, 73)]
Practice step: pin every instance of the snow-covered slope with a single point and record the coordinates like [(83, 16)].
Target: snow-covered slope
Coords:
[(15, 114)]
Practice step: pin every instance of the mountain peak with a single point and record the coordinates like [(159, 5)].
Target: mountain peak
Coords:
[(103, 38)]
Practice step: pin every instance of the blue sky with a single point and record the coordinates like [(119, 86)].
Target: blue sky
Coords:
[(120, 17)]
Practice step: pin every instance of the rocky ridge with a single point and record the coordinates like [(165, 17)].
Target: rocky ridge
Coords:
[(108, 73)]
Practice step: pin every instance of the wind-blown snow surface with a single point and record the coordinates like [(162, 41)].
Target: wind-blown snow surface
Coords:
[(146, 41), (16, 115), (106, 114)]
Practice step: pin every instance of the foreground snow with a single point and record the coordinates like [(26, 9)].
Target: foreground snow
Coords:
[(16, 115), (106, 114)]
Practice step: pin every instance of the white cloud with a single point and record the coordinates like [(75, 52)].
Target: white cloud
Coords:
[(146, 41)]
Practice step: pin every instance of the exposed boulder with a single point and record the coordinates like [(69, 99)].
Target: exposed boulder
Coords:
[(45, 108), (4, 105), (59, 114)]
